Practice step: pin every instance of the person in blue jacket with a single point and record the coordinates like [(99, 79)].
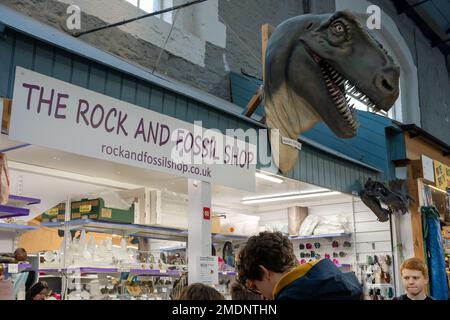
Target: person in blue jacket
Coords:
[(267, 265)]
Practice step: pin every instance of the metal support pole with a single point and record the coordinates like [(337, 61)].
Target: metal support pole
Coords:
[(66, 240), (355, 251)]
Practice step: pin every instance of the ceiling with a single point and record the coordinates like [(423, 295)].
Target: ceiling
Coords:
[(432, 17)]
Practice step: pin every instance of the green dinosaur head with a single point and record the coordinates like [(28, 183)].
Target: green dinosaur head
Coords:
[(312, 63)]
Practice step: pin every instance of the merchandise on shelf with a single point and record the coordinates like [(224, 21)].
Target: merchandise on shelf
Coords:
[(376, 277), (95, 209), (55, 214)]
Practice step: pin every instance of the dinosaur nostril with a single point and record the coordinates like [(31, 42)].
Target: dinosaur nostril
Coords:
[(386, 85)]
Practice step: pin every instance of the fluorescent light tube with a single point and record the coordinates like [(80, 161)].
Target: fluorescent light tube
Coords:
[(288, 194), (437, 189), (268, 177), (291, 197)]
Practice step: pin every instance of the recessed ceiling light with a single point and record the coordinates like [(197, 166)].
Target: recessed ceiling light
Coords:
[(56, 158)]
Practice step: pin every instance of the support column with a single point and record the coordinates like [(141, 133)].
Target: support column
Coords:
[(199, 226), (414, 172)]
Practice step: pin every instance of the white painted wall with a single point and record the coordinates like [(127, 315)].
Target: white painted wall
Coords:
[(6, 241), (390, 37), (193, 27), (371, 237)]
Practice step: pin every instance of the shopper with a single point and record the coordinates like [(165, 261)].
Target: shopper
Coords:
[(39, 291), (267, 265), (200, 291), (239, 292), (415, 280)]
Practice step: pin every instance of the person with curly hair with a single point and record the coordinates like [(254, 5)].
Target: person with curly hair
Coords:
[(267, 265), (200, 291)]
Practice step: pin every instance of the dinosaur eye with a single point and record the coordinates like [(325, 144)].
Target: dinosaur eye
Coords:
[(339, 28)]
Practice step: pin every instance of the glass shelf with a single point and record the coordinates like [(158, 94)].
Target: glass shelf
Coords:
[(10, 227), (21, 266), (321, 236), (154, 232)]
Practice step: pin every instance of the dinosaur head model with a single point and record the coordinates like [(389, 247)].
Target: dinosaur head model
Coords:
[(313, 62)]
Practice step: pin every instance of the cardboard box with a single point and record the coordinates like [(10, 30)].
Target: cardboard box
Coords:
[(95, 209), (215, 224), (55, 214)]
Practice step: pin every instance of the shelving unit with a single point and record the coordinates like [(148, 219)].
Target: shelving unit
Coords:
[(21, 267), (15, 228), (86, 270), (15, 206), (322, 236), (154, 232)]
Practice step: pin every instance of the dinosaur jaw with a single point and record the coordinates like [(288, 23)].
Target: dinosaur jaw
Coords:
[(338, 88)]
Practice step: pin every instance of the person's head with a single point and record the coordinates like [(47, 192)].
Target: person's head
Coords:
[(414, 276), (239, 292), (39, 291), (20, 254), (263, 260), (200, 291)]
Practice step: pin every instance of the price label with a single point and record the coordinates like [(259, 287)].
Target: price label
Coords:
[(13, 268), (164, 290), (124, 269)]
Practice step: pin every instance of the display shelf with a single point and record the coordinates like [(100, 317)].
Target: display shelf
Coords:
[(176, 248), (150, 272), (228, 273), (379, 284), (95, 226), (147, 231), (19, 201), (14, 206), (85, 270), (21, 266), (321, 236), (10, 227), (344, 265), (81, 269), (228, 237), (163, 233)]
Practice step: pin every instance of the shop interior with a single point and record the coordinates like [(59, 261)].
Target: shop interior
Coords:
[(440, 199), (128, 227)]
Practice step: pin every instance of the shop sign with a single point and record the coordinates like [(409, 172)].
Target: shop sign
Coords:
[(291, 142), (428, 168), (51, 113), (208, 267), (442, 175)]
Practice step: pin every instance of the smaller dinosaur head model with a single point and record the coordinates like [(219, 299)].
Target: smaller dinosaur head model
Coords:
[(313, 63)]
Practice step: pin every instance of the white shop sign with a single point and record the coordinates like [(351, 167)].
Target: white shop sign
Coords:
[(208, 269), (55, 114), (428, 168)]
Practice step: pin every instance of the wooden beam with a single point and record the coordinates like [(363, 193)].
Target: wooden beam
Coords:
[(414, 172), (401, 162), (266, 32), (254, 103), (6, 116)]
